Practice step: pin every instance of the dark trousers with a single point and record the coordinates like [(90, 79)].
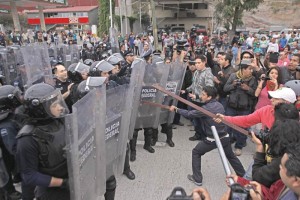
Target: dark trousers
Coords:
[(126, 164), (240, 138), (206, 146), (182, 106), (55, 193)]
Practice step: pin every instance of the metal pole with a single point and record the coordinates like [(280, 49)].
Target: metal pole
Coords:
[(140, 14), (110, 13), (126, 31), (222, 154), (154, 25), (121, 20)]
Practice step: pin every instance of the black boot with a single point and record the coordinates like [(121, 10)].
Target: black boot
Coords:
[(154, 137), (133, 145), (111, 185), (170, 135), (127, 171), (148, 137)]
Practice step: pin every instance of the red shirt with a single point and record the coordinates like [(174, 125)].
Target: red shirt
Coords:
[(264, 115)]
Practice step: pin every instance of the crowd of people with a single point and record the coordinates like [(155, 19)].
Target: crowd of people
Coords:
[(248, 82)]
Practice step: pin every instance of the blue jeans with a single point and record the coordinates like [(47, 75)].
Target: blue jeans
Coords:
[(240, 138)]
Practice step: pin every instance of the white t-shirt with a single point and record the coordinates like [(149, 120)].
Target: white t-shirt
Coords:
[(273, 47), (249, 41)]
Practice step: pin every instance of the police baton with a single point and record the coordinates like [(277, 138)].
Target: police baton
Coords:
[(222, 154), (210, 114)]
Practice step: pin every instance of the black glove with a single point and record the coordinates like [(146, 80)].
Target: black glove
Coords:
[(65, 184)]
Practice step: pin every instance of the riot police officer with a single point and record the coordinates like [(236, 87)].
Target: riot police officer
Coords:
[(120, 78), (41, 143), (102, 69), (10, 99), (148, 132), (77, 72), (126, 66)]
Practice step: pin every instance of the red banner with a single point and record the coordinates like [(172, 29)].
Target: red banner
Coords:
[(61, 20)]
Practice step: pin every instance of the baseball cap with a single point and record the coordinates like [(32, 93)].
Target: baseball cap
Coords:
[(284, 93)]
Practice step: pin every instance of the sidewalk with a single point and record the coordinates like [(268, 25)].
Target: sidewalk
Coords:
[(157, 174)]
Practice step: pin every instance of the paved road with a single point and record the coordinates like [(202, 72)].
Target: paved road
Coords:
[(157, 174)]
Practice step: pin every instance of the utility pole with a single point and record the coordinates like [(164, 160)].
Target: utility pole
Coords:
[(126, 31), (154, 26), (110, 13), (120, 13), (140, 13)]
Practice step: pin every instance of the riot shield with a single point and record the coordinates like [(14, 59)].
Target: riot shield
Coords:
[(37, 65), (113, 40), (138, 68), (132, 99), (3, 173), (8, 65), (60, 53), (148, 116), (67, 55), (85, 129), (52, 51), (174, 83), (75, 53), (115, 132)]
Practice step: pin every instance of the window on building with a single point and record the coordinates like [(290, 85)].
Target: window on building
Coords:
[(200, 6), (171, 7), (185, 6)]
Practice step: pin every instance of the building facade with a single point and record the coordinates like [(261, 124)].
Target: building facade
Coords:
[(75, 18)]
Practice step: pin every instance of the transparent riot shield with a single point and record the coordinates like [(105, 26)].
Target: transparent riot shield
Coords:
[(113, 39), (67, 55), (115, 135), (8, 65), (174, 83), (75, 53), (138, 68), (3, 173), (60, 53), (85, 139), (148, 116), (132, 98), (37, 65), (52, 51)]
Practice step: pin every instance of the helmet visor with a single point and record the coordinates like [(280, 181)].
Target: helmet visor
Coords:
[(55, 105)]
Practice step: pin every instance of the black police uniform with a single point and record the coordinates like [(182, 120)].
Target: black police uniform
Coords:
[(41, 145), (63, 87), (95, 71), (9, 100), (148, 132)]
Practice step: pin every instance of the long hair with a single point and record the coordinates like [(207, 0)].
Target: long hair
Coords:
[(283, 134)]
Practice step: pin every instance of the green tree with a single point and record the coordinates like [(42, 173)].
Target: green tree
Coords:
[(117, 21), (131, 22), (230, 12), (104, 21), (145, 20)]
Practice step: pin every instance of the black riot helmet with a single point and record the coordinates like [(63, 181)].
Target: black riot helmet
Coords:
[(100, 66), (87, 85), (76, 71), (43, 101), (10, 98)]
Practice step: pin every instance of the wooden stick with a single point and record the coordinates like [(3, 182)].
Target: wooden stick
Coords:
[(235, 127), (156, 104)]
